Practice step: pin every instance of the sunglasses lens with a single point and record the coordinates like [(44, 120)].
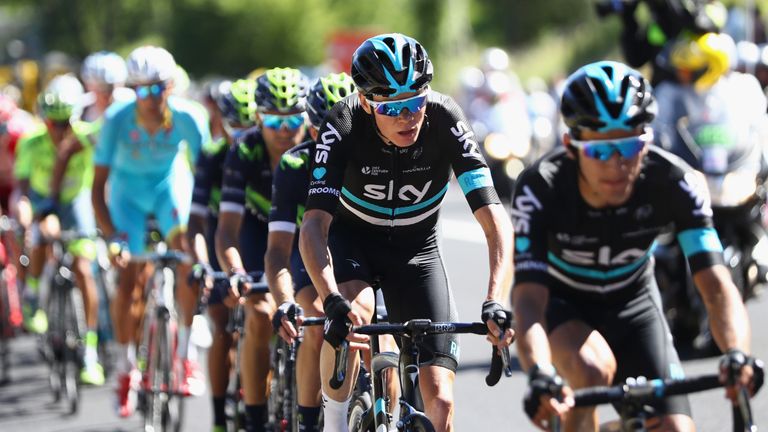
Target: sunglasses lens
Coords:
[(393, 109), (604, 150), (154, 90), (292, 122), (142, 92)]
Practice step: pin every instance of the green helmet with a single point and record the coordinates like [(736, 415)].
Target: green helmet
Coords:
[(281, 89), (237, 102), (59, 99), (325, 92)]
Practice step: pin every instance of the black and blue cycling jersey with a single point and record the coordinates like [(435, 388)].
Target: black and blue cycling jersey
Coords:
[(289, 189), (385, 201), (247, 189), (559, 237), (289, 194), (396, 190), (209, 173), (597, 264), (206, 195)]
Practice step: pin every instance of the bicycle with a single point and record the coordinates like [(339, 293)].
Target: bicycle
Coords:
[(633, 396), (159, 398), (371, 412), (62, 342), (246, 285), (283, 400), (10, 305)]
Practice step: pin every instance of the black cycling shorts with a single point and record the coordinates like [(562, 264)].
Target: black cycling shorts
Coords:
[(412, 278), (633, 324)]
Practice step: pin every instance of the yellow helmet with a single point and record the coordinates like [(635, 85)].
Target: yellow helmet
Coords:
[(705, 57)]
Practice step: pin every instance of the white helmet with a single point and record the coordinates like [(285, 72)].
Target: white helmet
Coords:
[(104, 67), (150, 64), (495, 59)]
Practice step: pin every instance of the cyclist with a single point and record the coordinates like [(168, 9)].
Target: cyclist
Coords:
[(288, 280), (586, 217), (14, 122), (68, 197), (104, 74), (382, 165), (145, 150), (237, 107), (241, 237)]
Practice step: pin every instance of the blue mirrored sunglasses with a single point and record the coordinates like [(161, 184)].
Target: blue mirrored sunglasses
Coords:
[(276, 121), (603, 150), (393, 109), (154, 90)]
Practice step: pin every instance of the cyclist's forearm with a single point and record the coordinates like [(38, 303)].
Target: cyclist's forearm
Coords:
[(532, 342), (59, 169), (277, 263), (727, 315), (313, 244), (499, 237), (196, 238), (99, 201)]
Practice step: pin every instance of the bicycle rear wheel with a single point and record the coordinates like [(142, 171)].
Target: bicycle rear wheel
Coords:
[(360, 417), (72, 358)]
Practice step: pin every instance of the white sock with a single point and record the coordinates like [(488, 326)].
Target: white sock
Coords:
[(122, 363), (191, 352), (131, 356), (335, 415), (183, 342), (91, 356)]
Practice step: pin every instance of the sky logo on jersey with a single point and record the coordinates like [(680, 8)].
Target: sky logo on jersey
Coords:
[(524, 205), (522, 244), (318, 173), (406, 192), (324, 145), (465, 134), (698, 191)]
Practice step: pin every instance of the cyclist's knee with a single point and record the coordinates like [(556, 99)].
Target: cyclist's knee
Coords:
[(585, 370), (313, 338), (259, 326)]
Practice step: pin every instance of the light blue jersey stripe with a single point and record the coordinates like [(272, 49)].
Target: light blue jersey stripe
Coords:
[(698, 240), (397, 211), (475, 179), (597, 274)]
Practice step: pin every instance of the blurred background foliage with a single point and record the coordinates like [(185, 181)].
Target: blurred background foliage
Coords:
[(547, 38)]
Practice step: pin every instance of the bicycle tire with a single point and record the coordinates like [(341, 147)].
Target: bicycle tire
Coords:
[(75, 330), (360, 415), (415, 422), (152, 409), (6, 330)]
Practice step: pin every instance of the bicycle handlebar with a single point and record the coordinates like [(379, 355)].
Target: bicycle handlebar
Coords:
[(650, 390), (414, 329)]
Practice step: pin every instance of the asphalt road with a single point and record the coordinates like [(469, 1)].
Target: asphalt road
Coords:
[(25, 404)]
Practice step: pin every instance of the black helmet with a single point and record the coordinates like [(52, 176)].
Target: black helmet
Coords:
[(607, 95), (325, 92), (282, 89), (391, 64)]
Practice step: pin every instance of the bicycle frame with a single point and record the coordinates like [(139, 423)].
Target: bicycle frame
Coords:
[(157, 351)]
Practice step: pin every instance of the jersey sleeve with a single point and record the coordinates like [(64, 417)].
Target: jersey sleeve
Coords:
[(198, 132), (201, 193), (286, 187), (234, 181), (468, 163), (105, 149), (330, 161), (692, 212), (528, 211)]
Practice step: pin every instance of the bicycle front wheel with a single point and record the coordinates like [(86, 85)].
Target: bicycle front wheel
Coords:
[(415, 422)]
